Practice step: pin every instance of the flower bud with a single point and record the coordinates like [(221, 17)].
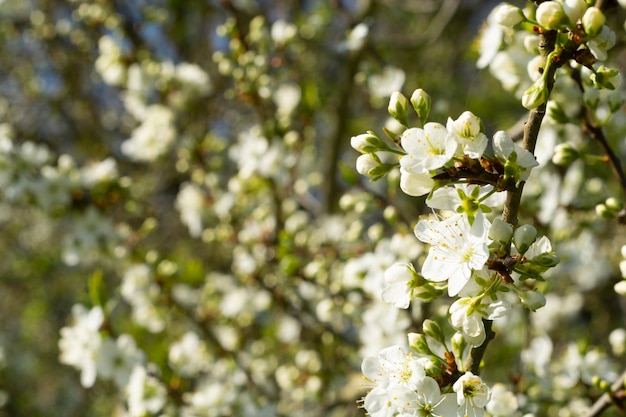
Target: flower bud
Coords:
[(532, 300), (574, 9), (399, 108), (418, 343), (622, 268), (421, 102), (536, 94), (613, 203), (620, 288), (617, 339), (593, 20), (508, 15), (616, 100), (468, 125), (602, 78), (547, 260), (432, 329), (591, 97), (550, 15), (564, 154), (524, 236), (366, 163), (603, 211), (459, 344), (501, 231), (390, 214), (367, 143), (556, 113)]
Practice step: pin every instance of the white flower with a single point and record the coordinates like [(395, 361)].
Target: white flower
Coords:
[(427, 149), (456, 249), (283, 31), (508, 15), (574, 9), (550, 14), (414, 184), (190, 204), (466, 131), (145, 393), (80, 344), (472, 394), (189, 355), (379, 402), (287, 97), (398, 289), (514, 156), (97, 172), (393, 366), (503, 402), (471, 325), (461, 195), (153, 137), (430, 402), (604, 41), (386, 83), (118, 357)]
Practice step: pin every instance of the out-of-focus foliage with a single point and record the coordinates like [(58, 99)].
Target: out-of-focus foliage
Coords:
[(178, 195)]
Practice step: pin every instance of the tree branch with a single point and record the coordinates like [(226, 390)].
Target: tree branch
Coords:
[(514, 197), (615, 396)]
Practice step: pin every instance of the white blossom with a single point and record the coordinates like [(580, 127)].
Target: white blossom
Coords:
[(502, 403), (427, 149), (153, 137), (509, 153), (80, 343), (466, 131), (118, 357), (145, 393), (457, 248), (398, 289), (472, 394)]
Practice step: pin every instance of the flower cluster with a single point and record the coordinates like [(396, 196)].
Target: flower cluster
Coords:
[(477, 259), (583, 40), (409, 384)]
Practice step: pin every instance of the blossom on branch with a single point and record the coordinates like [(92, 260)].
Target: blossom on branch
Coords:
[(457, 248)]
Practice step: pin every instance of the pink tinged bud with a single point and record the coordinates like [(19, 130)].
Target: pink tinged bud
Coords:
[(550, 15), (508, 15), (593, 20)]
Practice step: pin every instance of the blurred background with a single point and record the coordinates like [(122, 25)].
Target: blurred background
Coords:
[(208, 142)]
